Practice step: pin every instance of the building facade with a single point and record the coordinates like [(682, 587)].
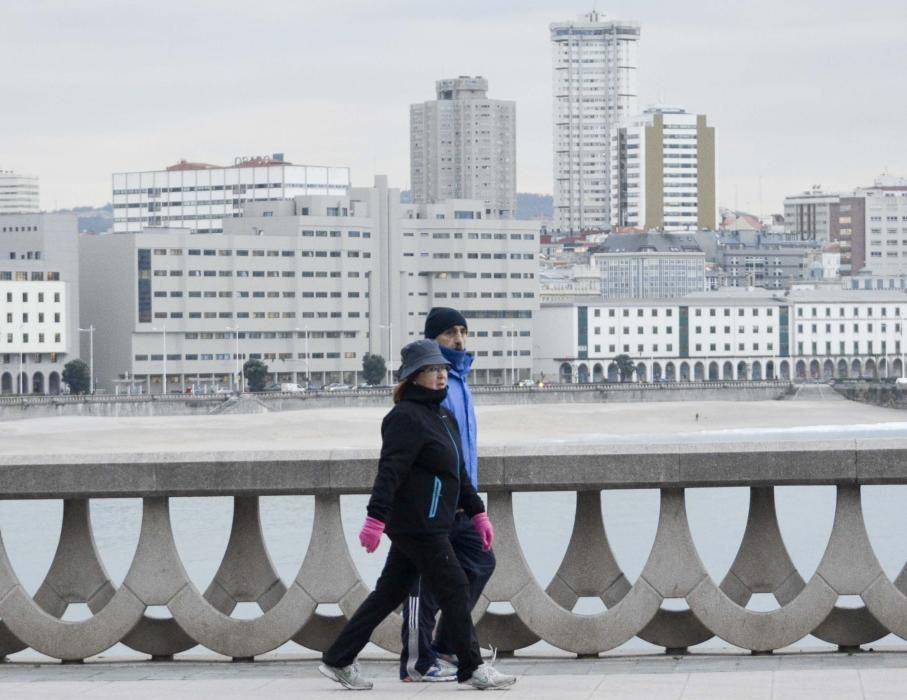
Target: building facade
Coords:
[(309, 286), (19, 194), (727, 335), (663, 172), (463, 146), (200, 197), (812, 215), (882, 209), (39, 301), (595, 90)]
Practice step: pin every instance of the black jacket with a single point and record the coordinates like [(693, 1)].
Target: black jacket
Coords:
[(422, 477)]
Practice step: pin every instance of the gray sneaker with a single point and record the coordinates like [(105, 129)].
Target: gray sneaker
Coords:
[(487, 677), (348, 676)]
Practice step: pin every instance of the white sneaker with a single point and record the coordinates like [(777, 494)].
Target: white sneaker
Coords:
[(348, 676), (487, 677)]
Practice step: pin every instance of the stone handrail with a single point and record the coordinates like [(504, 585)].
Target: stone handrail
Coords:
[(674, 569)]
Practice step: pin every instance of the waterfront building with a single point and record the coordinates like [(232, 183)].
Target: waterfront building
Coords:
[(200, 196), (732, 334), (309, 285), (595, 90), (39, 301), (663, 172), (463, 146), (19, 193)]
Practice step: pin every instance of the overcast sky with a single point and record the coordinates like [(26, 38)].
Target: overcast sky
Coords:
[(801, 92)]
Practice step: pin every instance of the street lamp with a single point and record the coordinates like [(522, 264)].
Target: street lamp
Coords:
[(236, 375), (90, 331), (390, 349), (304, 329), (163, 330), (510, 332)]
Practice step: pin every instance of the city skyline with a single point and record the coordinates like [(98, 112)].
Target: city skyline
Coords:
[(799, 95)]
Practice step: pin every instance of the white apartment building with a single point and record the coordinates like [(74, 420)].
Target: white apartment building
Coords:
[(19, 194), (200, 197), (39, 305), (463, 146), (663, 172), (308, 285), (727, 335), (595, 90), (884, 228)]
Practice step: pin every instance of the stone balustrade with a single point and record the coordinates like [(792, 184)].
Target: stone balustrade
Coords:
[(673, 570)]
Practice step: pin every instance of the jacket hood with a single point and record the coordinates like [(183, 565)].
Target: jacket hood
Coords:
[(460, 360)]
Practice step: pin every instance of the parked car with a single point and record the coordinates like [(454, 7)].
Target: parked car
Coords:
[(525, 382), (338, 387), (291, 387)]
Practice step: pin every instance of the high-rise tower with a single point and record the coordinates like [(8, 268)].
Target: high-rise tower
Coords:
[(594, 61), (463, 146)]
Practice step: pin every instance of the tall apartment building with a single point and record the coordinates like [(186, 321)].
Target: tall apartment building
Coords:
[(663, 172), (308, 285), (595, 90), (19, 193), (200, 197), (39, 301), (812, 215), (463, 146)]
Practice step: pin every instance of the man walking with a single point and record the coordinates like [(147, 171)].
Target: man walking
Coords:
[(425, 659)]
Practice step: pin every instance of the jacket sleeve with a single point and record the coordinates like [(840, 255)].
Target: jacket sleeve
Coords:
[(401, 444), (469, 499)]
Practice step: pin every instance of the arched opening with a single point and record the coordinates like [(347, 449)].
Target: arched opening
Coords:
[(699, 372), (828, 369), (684, 372), (770, 373), (22, 387), (871, 372), (713, 371), (37, 383), (670, 372), (855, 370), (814, 370), (757, 371), (842, 369), (6, 383), (656, 372), (53, 383), (598, 373), (884, 367), (741, 370), (582, 374), (613, 373), (566, 373), (641, 374), (785, 370), (897, 368), (801, 369), (727, 372)]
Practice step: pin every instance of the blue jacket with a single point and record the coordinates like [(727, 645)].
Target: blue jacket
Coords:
[(459, 403)]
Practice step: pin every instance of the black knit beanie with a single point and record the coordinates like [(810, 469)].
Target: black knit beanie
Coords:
[(440, 318)]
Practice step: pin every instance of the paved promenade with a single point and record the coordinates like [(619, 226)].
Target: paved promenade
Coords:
[(875, 675)]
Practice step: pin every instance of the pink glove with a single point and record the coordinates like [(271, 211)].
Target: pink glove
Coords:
[(483, 525), (370, 535)]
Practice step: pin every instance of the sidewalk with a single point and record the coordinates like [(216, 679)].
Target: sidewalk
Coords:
[(879, 675)]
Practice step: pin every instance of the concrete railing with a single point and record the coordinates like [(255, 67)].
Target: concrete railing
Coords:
[(674, 568)]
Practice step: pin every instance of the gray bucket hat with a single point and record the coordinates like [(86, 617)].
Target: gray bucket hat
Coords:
[(419, 354)]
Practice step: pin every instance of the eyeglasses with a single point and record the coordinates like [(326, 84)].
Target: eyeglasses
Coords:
[(437, 369)]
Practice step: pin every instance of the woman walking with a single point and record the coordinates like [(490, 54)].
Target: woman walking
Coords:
[(421, 483)]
